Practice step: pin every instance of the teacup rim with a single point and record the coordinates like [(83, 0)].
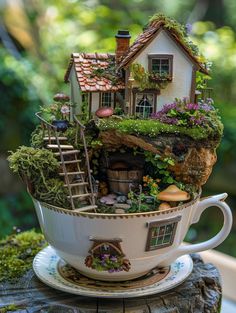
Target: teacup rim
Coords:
[(118, 215)]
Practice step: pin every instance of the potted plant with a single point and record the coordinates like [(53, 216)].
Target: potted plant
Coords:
[(57, 113)]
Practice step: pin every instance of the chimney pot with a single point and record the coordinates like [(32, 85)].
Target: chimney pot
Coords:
[(123, 34), (122, 43)]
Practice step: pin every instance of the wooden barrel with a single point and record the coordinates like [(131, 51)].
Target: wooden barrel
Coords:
[(120, 180)]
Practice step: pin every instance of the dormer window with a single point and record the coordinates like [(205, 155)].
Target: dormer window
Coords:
[(161, 65)]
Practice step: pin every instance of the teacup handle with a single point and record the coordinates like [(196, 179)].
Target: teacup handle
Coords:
[(217, 200)]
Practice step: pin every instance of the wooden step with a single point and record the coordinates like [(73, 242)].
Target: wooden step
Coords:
[(86, 208), (54, 138), (62, 146), (80, 195), (71, 173), (77, 184), (71, 161), (67, 152)]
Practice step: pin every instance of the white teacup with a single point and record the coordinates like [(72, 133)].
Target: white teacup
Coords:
[(135, 242)]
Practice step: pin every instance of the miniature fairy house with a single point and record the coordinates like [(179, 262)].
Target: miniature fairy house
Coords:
[(140, 78)]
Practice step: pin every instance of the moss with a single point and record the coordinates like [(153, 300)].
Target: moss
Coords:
[(10, 308), (33, 163), (37, 138), (108, 72), (152, 128), (40, 168), (17, 252), (53, 193), (178, 29)]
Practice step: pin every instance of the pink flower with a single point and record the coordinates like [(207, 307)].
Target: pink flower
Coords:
[(65, 110)]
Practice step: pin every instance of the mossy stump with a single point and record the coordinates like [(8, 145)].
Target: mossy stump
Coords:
[(201, 292), (194, 159)]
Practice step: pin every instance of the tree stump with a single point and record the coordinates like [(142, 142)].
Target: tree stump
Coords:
[(200, 293)]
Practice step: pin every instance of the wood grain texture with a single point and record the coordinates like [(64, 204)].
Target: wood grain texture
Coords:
[(200, 293)]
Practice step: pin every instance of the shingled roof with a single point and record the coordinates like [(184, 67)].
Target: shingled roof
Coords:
[(86, 66), (149, 33)]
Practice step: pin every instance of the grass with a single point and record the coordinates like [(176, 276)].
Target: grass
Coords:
[(152, 128)]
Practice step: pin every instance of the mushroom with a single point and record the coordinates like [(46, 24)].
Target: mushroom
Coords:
[(164, 206), (173, 194), (61, 97), (104, 112)]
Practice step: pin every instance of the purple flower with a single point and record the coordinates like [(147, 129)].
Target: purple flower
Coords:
[(192, 106), (189, 28), (104, 256), (111, 270), (206, 107), (196, 121), (113, 258)]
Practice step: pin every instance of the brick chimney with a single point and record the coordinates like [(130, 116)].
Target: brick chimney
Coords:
[(122, 43)]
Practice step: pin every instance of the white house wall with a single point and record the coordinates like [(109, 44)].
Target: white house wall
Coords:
[(76, 98), (95, 101), (182, 68)]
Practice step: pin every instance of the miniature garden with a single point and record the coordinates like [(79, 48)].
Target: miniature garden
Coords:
[(137, 165)]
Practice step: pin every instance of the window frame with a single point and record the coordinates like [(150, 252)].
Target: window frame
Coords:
[(166, 222), (136, 90), (152, 57), (111, 99), (152, 107)]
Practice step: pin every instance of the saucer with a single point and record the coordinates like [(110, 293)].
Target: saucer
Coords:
[(54, 272)]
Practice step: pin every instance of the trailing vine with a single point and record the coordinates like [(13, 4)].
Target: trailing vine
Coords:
[(146, 79)]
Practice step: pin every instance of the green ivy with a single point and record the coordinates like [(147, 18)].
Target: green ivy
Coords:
[(144, 78)]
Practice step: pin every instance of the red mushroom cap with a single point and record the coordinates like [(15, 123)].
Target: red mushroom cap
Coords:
[(61, 97), (104, 112)]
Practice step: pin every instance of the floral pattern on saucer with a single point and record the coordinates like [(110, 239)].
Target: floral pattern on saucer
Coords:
[(51, 270)]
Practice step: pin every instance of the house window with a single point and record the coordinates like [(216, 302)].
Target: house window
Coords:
[(161, 64), (144, 104), (107, 99), (161, 234)]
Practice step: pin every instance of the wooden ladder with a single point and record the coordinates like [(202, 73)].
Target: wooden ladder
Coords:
[(78, 181)]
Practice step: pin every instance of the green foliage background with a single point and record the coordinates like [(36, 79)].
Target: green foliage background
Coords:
[(36, 39)]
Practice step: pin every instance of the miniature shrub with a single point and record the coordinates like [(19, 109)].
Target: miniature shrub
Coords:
[(41, 169), (183, 113), (35, 164)]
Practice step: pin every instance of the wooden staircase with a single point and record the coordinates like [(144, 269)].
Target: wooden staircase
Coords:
[(77, 180)]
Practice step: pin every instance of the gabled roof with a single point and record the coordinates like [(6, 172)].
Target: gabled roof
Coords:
[(87, 66), (146, 37)]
